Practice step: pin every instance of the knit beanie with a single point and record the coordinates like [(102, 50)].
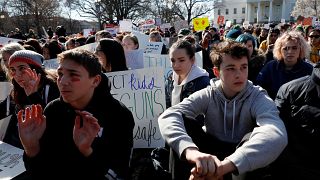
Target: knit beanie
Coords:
[(233, 34), (27, 56)]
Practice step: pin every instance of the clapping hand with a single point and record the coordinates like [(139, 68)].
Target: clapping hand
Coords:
[(84, 135), (31, 124)]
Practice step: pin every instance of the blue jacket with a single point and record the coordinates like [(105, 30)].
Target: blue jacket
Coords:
[(273, 75)]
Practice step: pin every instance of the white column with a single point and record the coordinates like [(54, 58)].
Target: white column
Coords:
[(270, 12), (258, 12), (248, 11), (283, 13)]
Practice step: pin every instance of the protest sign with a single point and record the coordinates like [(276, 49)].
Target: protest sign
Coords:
[(134, 59), (11, 162), (142, 91), (4, 126), (154, 47), (163, 60), (89, 47), (125, 26), (200, 24), (51, 64), (4, 40)]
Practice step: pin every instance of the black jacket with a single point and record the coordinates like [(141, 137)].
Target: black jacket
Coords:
[(299, 105), (59, 158), (12, 134)]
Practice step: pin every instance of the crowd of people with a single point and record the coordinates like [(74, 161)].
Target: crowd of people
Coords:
[(250, 112)]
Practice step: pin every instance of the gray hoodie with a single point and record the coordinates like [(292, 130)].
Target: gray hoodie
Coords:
[(229, 120)]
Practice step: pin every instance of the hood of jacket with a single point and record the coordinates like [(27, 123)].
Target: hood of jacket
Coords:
[(231, 107)]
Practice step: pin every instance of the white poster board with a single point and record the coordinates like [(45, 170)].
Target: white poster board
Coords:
[(4, 126), (51, 64), (89, 47), (142, 38), (163, 60), (11, 161), (5, 89), (125, 26), (142, 91), (4, 40), (154, 47), (134, 59)]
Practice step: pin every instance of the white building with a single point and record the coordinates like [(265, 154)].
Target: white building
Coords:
[(254, 11)]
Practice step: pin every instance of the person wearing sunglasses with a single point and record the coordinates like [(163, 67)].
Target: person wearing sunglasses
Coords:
[(314, 41)]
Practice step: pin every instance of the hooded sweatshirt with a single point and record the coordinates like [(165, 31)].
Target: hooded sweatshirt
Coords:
[(251, 110), (194, 73)]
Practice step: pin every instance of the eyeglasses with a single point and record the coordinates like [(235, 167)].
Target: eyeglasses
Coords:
[(314, 36)]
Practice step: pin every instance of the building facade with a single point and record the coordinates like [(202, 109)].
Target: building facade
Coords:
[(254, 11)]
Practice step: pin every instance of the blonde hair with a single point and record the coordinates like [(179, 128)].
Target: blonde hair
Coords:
[(288, 36)]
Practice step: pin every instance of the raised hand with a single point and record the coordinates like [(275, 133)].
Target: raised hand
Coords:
[(32, 81), (84, 136), (31, 128)]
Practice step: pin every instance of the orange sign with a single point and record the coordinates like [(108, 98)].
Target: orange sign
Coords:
[(220, 20), (307, 21)]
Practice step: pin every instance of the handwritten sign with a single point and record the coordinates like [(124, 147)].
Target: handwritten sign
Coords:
[(154, 47), (142, 91), (51, 64), (200, 24), (163, 60), (11, 162)]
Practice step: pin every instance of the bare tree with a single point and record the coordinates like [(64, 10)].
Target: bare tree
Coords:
[(33, 13), (306, 8), (69, 7), (91, 9), (193, 8)]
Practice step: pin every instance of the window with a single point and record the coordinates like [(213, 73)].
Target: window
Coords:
[(234, 10), (219, 12), (234, 21), (242, 20), (227, 11), (243, 10)]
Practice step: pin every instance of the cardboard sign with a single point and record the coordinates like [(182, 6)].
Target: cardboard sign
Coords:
[(142, 91)]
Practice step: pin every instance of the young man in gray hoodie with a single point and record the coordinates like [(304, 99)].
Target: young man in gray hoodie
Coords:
[(233, 107)]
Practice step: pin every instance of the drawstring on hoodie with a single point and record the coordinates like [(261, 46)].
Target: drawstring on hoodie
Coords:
[(224, 118), (233, 118)]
